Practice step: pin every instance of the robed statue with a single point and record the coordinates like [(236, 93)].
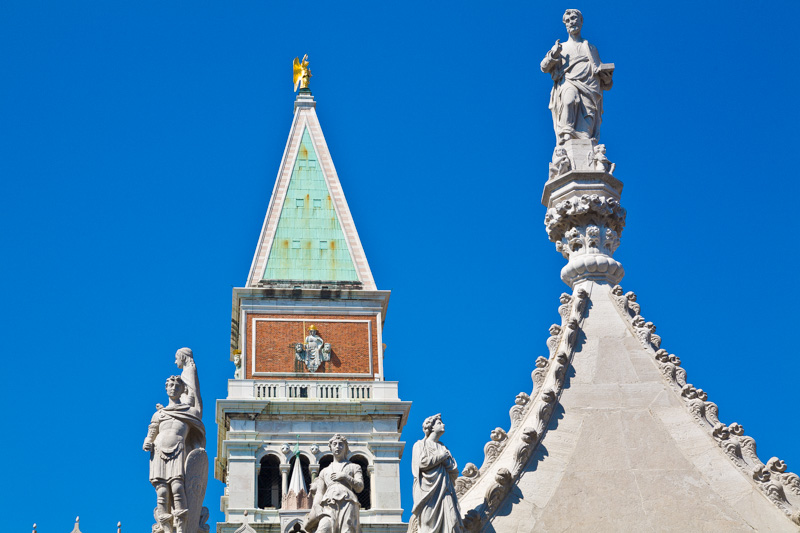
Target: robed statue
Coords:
[(335, 505), (176, 440), (435, 507), (579, 79)]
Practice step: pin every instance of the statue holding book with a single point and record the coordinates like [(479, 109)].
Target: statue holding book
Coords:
[(579, 79)]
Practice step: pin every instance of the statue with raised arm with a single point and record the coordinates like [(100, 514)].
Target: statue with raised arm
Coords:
[(435, 502), (176, 441), (335, 505), (579, 79), (301, 73)]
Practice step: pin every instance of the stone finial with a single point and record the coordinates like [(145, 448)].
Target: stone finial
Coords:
[(119, 527), (77, 528)]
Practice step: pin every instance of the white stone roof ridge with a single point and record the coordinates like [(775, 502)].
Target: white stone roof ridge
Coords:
[(481, 491), (782, 488)]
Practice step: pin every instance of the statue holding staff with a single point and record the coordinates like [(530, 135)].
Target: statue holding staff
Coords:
[(176, 440)]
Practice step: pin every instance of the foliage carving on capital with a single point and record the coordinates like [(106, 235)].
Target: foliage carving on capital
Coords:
[(583, 211)]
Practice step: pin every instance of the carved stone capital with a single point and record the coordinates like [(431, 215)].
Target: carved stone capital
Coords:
[(586, 230), (584, 210)]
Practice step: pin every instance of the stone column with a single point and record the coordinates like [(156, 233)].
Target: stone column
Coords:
[(314, 469), (372, 484), (585, 220), (284, 479)]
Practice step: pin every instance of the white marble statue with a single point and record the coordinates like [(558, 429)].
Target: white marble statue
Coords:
[(435, 502), (314, 351), (579, 79), (560, 164), (335, 506), (600, 160), (237, 362), (178, 461)]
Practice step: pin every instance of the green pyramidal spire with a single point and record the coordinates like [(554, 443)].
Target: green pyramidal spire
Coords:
[(309, 237), (309, 243)]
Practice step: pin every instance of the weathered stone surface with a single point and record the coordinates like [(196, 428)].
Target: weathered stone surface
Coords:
[(624, 453)]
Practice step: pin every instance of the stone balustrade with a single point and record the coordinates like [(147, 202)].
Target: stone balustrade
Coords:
[(249, 389)]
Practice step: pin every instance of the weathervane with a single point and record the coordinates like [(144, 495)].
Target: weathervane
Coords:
[(301, 73)]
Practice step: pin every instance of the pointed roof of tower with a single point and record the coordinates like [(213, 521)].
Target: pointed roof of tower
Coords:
[(297, 484), (308, 233)]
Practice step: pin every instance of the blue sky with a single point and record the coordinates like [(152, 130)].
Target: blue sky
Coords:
[(139, 144)]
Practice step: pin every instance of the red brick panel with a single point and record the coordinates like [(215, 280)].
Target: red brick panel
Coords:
[(275, 340)]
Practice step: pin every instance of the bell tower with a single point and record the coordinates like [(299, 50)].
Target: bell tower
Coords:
[(306, 339)]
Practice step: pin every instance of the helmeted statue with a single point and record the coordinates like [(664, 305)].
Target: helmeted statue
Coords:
[(435, 502), (335, 505), (176, 440), (579, 79)]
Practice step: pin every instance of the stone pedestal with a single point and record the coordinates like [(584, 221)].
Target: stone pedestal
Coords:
[(585, 220), (580, 153)]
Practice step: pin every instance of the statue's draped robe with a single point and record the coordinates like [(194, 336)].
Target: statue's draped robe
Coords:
[(168, 457), (435, 500), (574, 72), (338, 501)]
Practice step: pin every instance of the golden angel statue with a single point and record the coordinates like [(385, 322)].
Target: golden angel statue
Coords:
[(301, 73)]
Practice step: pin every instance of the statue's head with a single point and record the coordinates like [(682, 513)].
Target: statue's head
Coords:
[(338, 445), (183, 355), (175, 387), (298, 347), (312, 330), (573, 20), (431, 422)]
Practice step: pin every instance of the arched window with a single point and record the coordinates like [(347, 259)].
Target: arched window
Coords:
[(304, 469), (269, 483), (324, 461), (364, 497)]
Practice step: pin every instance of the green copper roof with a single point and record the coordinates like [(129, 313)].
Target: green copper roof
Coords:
[(309, 243)]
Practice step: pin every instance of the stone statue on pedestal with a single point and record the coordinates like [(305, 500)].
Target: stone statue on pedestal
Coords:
[(178, 461), (579, 79), (435, 502), (335, 505)]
